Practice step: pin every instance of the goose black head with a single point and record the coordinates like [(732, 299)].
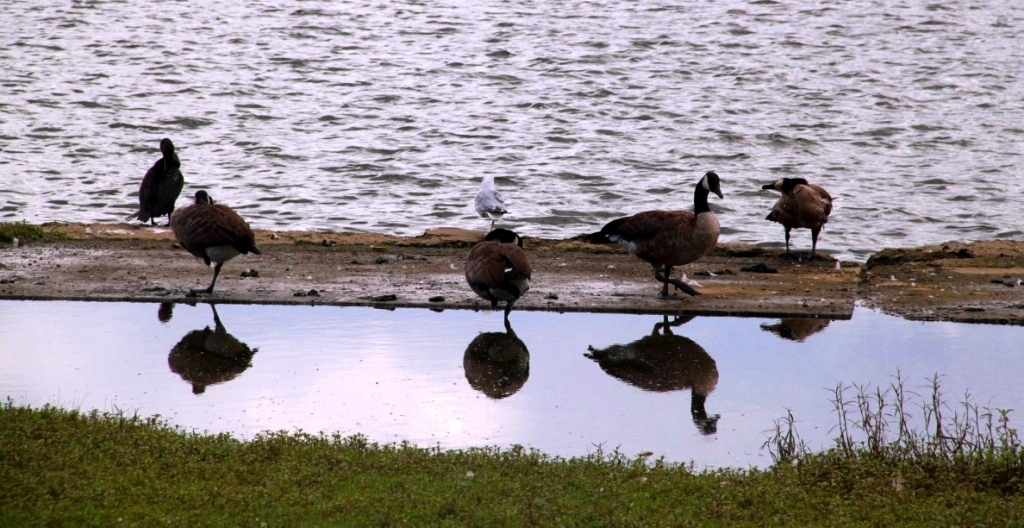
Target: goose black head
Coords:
[(166, 147), (711, 183), (506, 236), (784, 184), (203, 198)]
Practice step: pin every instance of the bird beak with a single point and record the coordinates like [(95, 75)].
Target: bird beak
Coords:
[(768, 187), (719, 193)]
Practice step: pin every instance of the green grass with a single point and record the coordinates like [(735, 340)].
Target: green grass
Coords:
[(27, 233), (66, 468)]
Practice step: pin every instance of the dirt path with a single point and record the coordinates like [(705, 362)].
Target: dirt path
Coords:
[(119, 262)]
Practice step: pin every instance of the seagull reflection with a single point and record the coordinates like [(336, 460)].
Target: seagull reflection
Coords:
[(663, 362), (497, 363), (207, 357), (796, 329)]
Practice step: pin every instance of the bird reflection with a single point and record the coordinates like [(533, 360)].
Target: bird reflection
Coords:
[(165, 312), (497, 363), (663, 362), (796, 329), (207, 357)]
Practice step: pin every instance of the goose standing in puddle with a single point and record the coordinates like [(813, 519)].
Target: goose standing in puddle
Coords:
[(666, 239)]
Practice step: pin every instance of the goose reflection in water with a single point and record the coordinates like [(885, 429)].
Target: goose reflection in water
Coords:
[(497, 363), (796, 329), (207, 357), (663, 362)]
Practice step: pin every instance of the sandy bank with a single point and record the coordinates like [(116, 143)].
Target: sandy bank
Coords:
[(974, 282)]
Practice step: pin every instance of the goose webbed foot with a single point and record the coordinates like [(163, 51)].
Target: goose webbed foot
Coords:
[(680, 285)]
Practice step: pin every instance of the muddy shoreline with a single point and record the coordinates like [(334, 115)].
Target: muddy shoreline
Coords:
[(971, 282)]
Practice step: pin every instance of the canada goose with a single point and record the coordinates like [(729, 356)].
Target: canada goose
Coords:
[(214, 233), (801, 206), (206, 357), (664, 362), (497, 268), (488, 202), (497, 363), (160, 186), (668, 238)]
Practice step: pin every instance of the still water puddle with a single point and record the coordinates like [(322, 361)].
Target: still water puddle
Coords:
[(704, 389)]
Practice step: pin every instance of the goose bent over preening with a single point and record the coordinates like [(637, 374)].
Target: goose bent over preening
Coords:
[(668, 238), (497, 268), (160, 186), (488, 202), (801, 206), (212, 232)]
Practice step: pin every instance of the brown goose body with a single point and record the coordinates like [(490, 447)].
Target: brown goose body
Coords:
[(497, 268), (212, 232), (666, 239), (801, 206), (160, 186)]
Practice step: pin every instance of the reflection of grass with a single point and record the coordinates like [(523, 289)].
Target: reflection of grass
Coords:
[(26, 232), (60, 467)]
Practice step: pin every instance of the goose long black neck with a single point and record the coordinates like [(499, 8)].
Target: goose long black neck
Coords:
[(700, 199)]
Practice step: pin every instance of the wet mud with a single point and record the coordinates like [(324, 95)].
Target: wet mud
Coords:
[(977, 282)]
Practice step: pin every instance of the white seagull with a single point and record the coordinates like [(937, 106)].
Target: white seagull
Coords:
[(488, 202)]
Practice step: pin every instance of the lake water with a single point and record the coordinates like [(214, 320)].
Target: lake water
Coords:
[(384, 116), (705, 391)]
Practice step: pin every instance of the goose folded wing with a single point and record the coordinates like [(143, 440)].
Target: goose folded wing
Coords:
[(646, 225)]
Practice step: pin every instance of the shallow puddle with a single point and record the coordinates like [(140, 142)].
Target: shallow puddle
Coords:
[(704, 389)]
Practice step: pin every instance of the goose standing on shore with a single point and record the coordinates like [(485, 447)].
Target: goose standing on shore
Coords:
[(497, 268), (488, 201), (160, 186), (212, 232), (668, 238), (801, 206)]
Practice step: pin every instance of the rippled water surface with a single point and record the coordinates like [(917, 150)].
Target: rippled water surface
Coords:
[(705, 390), (384, 116)]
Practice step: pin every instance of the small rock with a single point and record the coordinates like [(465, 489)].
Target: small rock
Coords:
[(251, 273), (300, 294), (273, 236), (551, 295), (327, 243), (760, 267), (436, 298), (384, 298), (313, 293), (381, 260)]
